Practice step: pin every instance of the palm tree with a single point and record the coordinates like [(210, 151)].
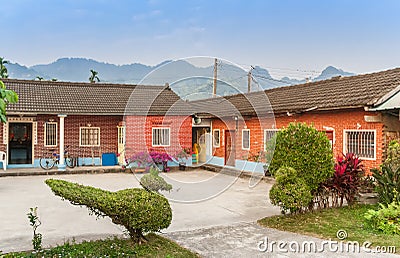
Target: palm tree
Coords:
[(93, 77), (3, 68)]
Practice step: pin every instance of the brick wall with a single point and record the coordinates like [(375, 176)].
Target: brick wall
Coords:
[(139, 133), (108, 134), (338, 121)]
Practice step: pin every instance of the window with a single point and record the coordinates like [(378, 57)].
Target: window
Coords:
[(89, 136), (246, 139), (268, 135), (216, 137), (360, 142), (160, 136), (50, 134)]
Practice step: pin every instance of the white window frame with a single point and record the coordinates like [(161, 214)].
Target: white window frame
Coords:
[(243, 148), (121, 134), (219, 138), (80, 136), (152, 136), (359, 130), (45, 134), (265, 138)]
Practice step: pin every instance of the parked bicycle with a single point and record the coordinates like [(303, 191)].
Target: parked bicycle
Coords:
[(52, 157)]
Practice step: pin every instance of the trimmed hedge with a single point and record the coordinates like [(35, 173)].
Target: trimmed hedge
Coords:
[(138, 210)]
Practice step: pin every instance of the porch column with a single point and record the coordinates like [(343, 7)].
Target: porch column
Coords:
[(61, 164)]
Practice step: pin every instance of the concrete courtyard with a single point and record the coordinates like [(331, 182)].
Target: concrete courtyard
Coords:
[(200, 199), (213, 214)]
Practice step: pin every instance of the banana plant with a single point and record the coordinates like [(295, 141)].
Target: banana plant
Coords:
[(93, 77), (388, 182), (3, 68), (7, 97)]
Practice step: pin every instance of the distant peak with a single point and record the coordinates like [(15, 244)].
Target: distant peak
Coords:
[(331, 69)]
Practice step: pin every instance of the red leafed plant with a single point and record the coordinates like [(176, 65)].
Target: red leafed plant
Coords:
[(346, 180)]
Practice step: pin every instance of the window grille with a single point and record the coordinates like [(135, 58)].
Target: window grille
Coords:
[(246, 139), (160, 136), (268, 135), (361, 142), (216, 137), (89, 136), (50, 134)]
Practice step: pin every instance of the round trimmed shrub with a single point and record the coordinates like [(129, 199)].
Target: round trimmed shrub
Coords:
[(290, 192), (138, 210)]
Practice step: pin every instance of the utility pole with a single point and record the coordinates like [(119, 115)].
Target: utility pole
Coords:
[(249, 78), (215, 77)]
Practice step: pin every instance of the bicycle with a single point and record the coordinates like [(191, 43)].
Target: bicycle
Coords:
[(51, 158)]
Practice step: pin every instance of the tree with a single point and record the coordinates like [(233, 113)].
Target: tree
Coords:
[(93, 77), (3, 68), (7, 96), (39, 78)]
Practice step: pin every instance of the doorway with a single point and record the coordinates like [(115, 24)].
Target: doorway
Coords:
[(20, 143), (230, 150), (201, 144)]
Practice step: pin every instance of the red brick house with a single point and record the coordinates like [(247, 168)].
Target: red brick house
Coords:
[(91, 118), (359, 114)]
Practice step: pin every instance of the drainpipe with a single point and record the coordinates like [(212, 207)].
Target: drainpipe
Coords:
[(61, 164)]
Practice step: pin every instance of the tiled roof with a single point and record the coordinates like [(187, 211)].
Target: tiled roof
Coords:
[(112, 99), (47, 97), (336, 93)]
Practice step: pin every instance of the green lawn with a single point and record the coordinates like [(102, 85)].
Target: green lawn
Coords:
[(156, 247), (326, 223)]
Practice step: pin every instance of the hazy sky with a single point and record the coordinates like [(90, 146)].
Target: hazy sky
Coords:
[(281, 35)]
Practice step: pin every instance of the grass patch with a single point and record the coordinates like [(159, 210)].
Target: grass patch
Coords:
[(157, 246), (325, 224)]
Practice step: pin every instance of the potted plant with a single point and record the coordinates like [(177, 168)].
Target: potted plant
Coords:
[(266, 169), (161, 160), (182, 157), (140, 161)]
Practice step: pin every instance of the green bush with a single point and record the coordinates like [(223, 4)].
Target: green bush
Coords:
[(138, 210), (290, 191), (153, 182), (393, 155), (386, 219), (387, 181), (306, 150), (387, 177)]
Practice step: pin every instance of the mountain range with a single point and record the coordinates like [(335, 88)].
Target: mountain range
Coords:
[(182, 75)]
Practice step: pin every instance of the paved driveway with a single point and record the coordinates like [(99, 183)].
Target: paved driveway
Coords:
[(201, 200)]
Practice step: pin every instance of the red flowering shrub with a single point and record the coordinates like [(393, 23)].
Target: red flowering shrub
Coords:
[(346, 180)]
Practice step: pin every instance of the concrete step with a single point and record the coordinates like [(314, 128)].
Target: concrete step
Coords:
[(236, 172)]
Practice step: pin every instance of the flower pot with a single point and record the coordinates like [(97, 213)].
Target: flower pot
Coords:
[(139, 170), (266, 170), (182, 166)]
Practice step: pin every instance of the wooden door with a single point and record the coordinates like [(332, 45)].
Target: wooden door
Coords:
[(230, 151)]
